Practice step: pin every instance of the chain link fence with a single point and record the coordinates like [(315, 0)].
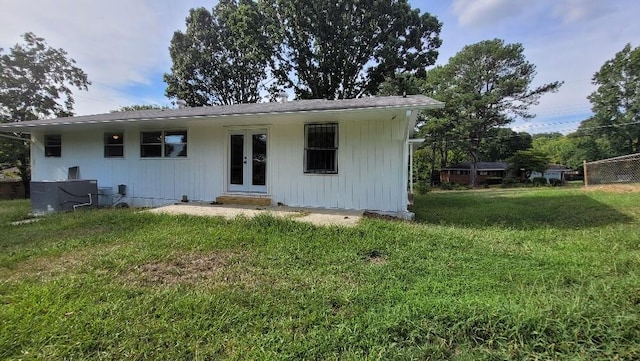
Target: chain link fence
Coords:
[(618, 170)]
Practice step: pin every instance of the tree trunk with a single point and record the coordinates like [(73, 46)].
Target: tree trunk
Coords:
[(433, 163), (473, 171), (25, 173)]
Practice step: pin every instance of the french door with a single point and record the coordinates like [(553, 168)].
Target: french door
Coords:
[(248, 160)]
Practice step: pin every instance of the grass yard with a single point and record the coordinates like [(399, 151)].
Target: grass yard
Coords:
[(498, 274)]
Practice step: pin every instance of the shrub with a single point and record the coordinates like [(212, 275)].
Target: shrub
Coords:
[(493, 180), (421, 187), (509, 182), (554, 182), (539, 181), (447, 186)]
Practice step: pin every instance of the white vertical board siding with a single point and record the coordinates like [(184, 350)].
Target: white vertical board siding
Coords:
[(149, 181), (370, 169), (370, 164)]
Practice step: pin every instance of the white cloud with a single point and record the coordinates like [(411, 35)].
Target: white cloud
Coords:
[(572, 11), (578, 48), (485, 12), (568, 40), (118, 43)]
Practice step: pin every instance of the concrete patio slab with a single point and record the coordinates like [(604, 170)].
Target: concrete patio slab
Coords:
[(317, 216)]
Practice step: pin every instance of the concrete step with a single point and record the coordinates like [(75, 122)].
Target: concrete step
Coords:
[(247, 200)]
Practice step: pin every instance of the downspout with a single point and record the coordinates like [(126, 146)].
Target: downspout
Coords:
[(411, 116)]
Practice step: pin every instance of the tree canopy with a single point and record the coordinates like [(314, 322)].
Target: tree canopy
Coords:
[(324, 49), (524, 162), (36, 82), (485, 85), (502, 143), (223, 56), (616, 101), (135, 107)]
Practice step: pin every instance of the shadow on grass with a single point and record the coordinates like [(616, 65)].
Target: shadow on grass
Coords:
[(522, 210)]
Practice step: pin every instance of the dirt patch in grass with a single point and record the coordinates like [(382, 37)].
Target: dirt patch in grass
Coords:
[(614, 188), (209, 269), (374, 257)]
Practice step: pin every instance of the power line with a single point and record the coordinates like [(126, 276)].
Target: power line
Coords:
[(452, 141)]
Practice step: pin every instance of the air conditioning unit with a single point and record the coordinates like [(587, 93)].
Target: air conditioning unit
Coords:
[(65, 195)]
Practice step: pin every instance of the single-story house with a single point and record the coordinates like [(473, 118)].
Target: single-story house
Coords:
[(485, 172), (554, 171), (344, 154)]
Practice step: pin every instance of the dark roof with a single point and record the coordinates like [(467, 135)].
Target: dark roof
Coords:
[(479, 166), (315, 105), (558, 167)]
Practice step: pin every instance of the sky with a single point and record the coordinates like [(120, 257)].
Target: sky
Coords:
[(123, 44)]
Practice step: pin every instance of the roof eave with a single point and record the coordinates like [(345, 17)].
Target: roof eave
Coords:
[(24, 127)]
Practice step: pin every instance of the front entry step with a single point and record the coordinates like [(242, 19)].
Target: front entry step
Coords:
[(244, 200)]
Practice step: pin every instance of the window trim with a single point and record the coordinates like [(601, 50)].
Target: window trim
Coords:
[(334, 148), (163, 144), (48, 147), (107, 135)]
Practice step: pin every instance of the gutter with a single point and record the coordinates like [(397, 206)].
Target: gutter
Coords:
[(33, 124)]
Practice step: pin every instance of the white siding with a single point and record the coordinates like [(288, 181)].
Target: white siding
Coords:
[(370, 163), (370, 167)]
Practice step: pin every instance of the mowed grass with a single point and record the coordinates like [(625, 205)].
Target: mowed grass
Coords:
[(499, 274)]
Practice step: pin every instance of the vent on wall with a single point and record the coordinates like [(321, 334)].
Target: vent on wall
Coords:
[(73, 173)]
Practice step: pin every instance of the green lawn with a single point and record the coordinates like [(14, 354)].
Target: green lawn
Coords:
[(497, 274)]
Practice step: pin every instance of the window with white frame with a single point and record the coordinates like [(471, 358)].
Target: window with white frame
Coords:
[(114, 145), (53, 145), (163, 144), (321, 148)]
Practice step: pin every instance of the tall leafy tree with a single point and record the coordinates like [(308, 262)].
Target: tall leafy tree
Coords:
[(223, 56), (502, 143), (567, 150), (486, 85), (524, 162), (36, 82), (616, 101), (590, 143), (400, 84), (338, 49)]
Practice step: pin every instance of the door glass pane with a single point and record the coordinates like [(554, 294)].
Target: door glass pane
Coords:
[(236, 161), (259, 156)]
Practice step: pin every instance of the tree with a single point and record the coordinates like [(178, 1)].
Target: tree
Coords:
[(590, 143), (400, 84), (485, 85), (223, 56), (136, 107), (502, 143), (36, 82), (524, 162), (560, 149), (339, 49), (616, 101)]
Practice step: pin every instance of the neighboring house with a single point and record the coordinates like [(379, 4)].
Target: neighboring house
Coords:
[(345, 154), (555, 171), (486, 172)]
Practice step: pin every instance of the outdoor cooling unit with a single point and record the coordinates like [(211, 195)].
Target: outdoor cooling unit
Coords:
[(55, 196)]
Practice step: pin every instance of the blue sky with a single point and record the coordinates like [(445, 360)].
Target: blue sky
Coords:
[(123, 44)]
